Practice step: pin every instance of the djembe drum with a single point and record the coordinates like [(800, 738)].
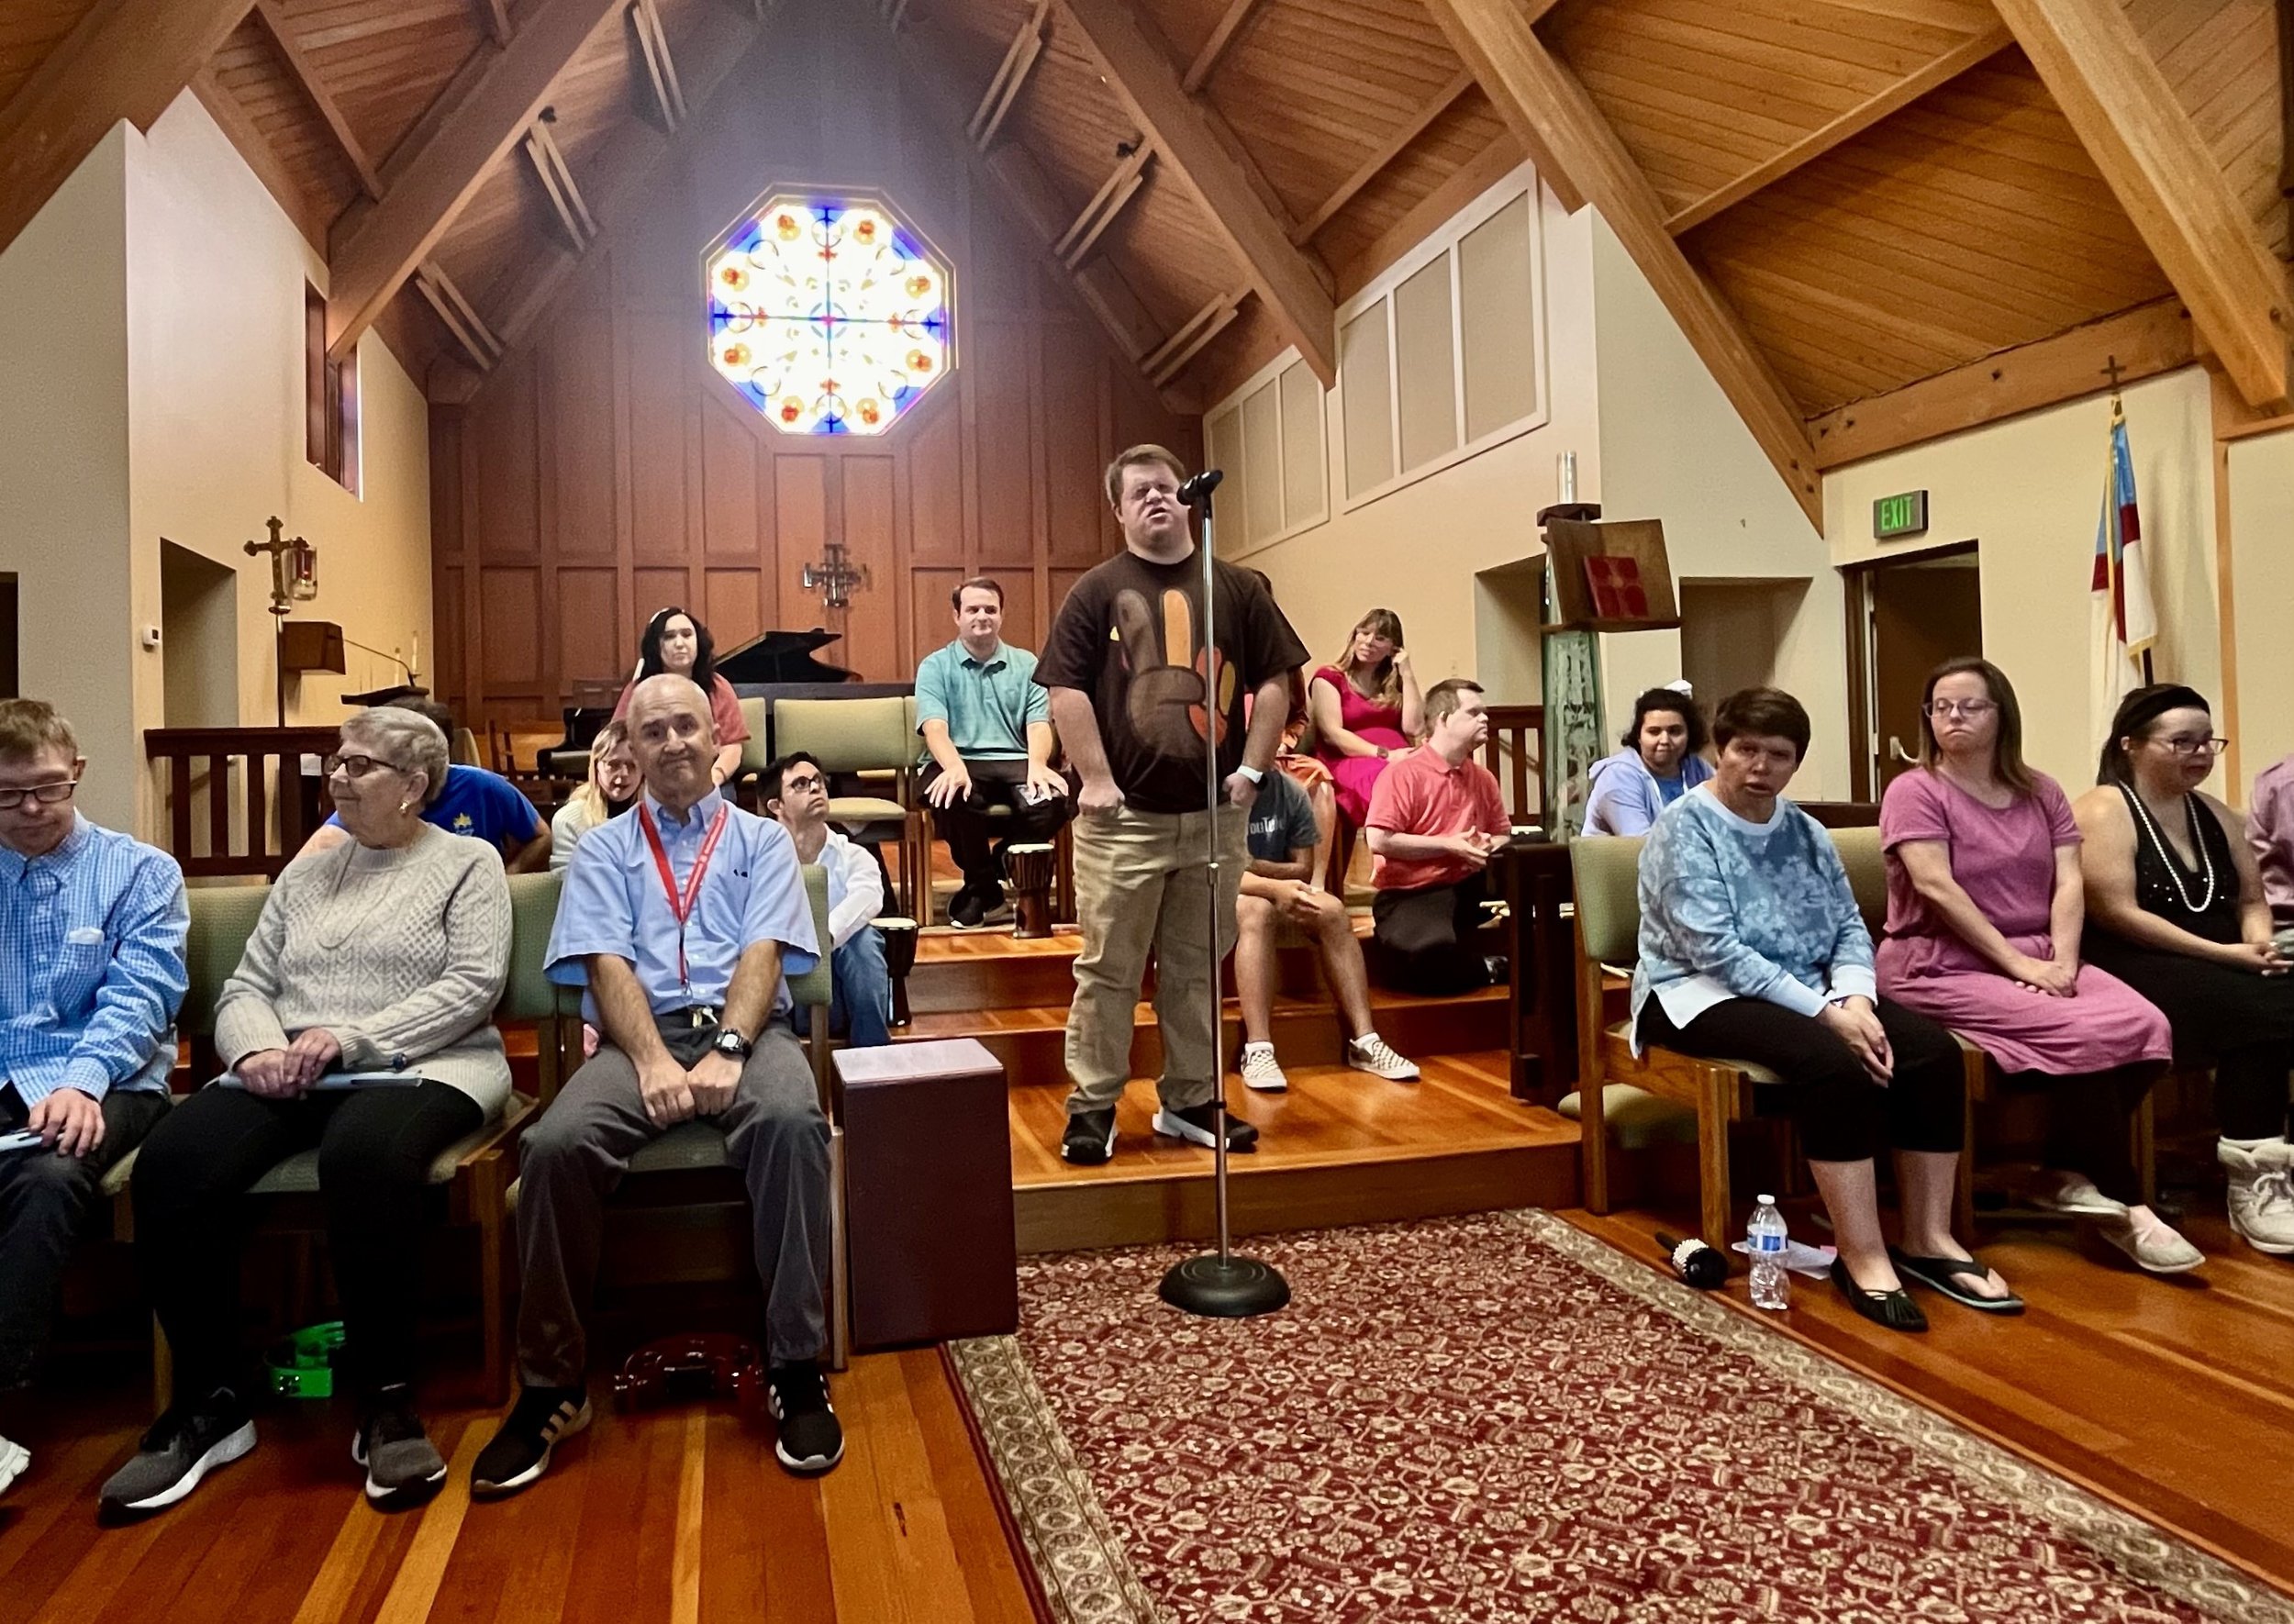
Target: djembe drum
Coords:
[(899, 959), (1030, 868)]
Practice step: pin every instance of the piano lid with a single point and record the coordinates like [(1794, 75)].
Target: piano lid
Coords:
[(782, 657)]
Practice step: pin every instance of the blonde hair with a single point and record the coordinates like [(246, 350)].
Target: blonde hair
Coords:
[(588, 796), (1138, 456), (1387, 624), (27, 726)]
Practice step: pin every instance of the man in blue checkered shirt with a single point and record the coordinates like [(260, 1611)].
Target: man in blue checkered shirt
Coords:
[(91, 927)]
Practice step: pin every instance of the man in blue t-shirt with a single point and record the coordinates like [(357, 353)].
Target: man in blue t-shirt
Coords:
[(1281, 834), (475, 802)]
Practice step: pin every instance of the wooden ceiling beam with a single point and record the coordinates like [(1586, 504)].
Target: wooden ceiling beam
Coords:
[(558, 184), (1117, 191), (1223, 34), (125, 59), (1286, 282), (230, 116), (1847, 127), (2145, 342), (495, 16), (1170, 358), (2159, 167), (1375, 164), (1545, 106), (437, 182), (478, 340), (661, 68), (305, 75), (1011, 75)]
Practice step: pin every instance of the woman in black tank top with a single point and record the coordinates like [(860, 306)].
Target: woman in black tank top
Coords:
[(2175, 909)]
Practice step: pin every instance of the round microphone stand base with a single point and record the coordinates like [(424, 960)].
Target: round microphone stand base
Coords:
[(1225, 1288)]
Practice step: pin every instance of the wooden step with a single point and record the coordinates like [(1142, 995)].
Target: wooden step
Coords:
[(1340, 1148), (973, 970), (1032, 1043)]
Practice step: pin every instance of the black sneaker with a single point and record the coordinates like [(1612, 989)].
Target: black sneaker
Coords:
[(1194, 1125), (967, 910), (184, 1445), (1090, 1139), (541, 1419), (811, 1439), (402, 1468), (993, 908)]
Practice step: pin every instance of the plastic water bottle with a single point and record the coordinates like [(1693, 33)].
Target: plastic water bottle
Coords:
[(1772, 1287)]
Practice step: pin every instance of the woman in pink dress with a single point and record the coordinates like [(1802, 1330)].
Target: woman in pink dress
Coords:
[(1367, 710), (1985, 908)]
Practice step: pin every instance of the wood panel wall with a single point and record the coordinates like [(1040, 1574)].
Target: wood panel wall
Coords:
[(606, 469)]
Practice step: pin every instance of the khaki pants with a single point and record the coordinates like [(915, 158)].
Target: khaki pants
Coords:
[(1142, 885)]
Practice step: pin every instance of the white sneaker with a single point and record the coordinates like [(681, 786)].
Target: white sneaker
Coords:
[(14, 1461), (1259, 1070), (2261, 1176), (1370, 1053), (2070, 1193)]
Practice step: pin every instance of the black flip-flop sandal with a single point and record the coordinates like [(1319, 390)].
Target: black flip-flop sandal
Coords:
[(1943, 1274), (1893, 1310)]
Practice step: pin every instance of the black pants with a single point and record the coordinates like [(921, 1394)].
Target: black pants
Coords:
[(1429, 939), (1841, 1114), (973, 835), (376, 1147), (44, 1198), (2091, 1123)]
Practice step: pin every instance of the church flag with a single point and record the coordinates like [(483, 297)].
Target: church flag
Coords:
[(2124, 620)]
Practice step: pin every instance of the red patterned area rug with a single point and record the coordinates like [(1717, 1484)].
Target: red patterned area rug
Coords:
[(1499, 1419)]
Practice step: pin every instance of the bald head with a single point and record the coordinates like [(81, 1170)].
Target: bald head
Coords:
[(673, 738)]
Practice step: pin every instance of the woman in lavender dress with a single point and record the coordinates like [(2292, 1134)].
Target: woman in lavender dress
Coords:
[(1985, 909)]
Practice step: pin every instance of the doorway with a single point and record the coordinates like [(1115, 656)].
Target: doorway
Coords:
[(198, 638), (1905, 616), (9, 674)]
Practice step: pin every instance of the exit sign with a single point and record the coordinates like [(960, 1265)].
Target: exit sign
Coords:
[(1905, 515)]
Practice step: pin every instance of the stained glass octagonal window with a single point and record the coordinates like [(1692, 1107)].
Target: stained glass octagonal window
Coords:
[(831, 314)]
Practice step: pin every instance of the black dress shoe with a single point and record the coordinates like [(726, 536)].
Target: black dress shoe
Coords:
[(1895, 1309)]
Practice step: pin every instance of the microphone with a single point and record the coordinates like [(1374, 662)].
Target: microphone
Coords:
[(1196, 491), (1697, 1264)]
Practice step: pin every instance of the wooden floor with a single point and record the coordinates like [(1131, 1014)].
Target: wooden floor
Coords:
[(2173, 1397), (676, 1516)]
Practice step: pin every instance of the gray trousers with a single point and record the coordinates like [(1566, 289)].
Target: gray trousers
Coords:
[(574, 1155)]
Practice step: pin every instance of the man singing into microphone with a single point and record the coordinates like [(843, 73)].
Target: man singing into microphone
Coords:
[(1128, 672)]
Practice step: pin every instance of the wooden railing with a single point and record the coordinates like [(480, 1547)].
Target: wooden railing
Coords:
[(1513, 752), (237, 800)]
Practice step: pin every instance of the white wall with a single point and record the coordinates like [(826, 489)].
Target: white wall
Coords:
[(1673, 448), (2031, 490), (1416, 551), (152, 317), (2262, 592), (64, 468)]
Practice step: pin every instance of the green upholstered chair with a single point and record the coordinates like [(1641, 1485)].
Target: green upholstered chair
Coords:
[(874, 738)]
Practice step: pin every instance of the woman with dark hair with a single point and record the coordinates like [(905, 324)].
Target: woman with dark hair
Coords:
[(1751, 950), (1985, 908), (2174, 909), (1367, 709), (675, 642), (1662, 760)]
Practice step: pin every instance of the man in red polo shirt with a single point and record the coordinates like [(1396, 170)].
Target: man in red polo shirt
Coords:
[(1435, 817)]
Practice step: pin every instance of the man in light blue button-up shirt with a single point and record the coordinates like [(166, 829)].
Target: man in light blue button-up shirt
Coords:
[(91, 927)]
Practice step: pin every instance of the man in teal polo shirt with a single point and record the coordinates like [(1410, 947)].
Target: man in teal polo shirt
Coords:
[(987, 739)]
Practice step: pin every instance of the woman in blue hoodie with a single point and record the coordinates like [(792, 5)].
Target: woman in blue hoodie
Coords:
[(1662, 760)]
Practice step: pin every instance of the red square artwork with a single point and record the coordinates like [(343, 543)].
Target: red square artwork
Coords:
[(1617, 590)]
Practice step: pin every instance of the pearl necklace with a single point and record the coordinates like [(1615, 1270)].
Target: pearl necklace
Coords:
[(2166, 854)]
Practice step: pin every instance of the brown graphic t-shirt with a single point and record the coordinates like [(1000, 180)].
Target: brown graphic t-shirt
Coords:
[(1131, 635)]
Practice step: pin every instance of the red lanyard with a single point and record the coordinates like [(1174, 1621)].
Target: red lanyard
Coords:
[(682, 906)]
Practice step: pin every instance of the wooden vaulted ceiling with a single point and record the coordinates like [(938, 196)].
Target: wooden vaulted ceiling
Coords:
[(1874, 219)]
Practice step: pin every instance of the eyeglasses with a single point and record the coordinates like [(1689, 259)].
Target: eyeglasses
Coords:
[(47, 795), (809, 783), (356, 767), (2191, 747), (1970, 708)]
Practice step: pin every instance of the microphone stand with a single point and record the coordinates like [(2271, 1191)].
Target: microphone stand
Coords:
[(1219, 1286)]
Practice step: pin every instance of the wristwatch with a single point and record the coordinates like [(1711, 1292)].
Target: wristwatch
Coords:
[(730, 1042), (1256, 774), (1382, 752)]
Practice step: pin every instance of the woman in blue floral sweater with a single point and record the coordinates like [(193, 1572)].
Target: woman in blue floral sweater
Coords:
[(1751, 950)]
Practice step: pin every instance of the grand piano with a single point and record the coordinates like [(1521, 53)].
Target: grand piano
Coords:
[(768, 665)]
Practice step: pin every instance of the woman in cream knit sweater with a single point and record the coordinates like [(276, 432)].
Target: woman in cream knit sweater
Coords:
[(379, 960)]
